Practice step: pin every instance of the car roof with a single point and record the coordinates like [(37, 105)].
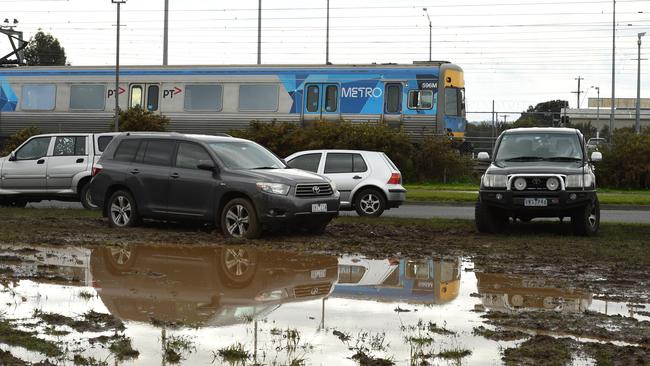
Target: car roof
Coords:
[(76, 134), (182, 136), (337, 151), (541, 130)]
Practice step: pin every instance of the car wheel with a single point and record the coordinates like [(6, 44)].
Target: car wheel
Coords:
[(369, 203), (238, 266), (122, 210), (487, 220), (9, 202), (84, 196), (586, 221), (239, 220)]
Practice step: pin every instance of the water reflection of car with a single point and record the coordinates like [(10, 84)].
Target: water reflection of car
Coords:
[(512, 293), (434, 281), (206, 285)]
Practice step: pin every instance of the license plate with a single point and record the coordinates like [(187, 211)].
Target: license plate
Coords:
[(535, 202), (318, 273), (319, 207)]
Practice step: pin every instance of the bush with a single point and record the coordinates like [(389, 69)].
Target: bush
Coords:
[(433, 159), (18, 138), (626, 161), (138, 119)]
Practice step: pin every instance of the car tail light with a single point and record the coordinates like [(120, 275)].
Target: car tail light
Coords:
[(96, 170), (395, 178)]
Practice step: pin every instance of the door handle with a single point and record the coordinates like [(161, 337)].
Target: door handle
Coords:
[(356, 177), (41, 161), (175, 175), (80, 160), (135, 171)]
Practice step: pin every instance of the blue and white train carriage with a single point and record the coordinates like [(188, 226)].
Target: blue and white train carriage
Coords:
[(423, 98)]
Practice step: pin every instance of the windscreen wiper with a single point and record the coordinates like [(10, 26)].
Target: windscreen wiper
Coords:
[(266, 167), (524, 158), (564, 158)]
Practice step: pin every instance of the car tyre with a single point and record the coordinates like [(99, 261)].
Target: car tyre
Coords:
[(17, 203), (84, 197), (239, 220), (122, 210), (586, 221), (369, 203), (489, 221)]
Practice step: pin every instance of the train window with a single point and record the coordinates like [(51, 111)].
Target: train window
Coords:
[(136, 96), (153, 92), (87, 97), (451, 102), (69, 146), (203, 97), (254, 97), (331, 98), (313, 97), (38, 97), (393, 98), (420, 99)]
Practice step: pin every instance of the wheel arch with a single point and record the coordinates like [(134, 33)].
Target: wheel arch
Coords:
[(227, 197), (356, 191)]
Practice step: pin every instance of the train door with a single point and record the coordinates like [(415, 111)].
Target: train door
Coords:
[(393, 103), (146, 96), (321, 102)]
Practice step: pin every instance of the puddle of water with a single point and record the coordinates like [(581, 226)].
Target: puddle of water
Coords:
[(278, 305)]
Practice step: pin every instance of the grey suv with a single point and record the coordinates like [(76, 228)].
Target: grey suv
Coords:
[(236, 183)]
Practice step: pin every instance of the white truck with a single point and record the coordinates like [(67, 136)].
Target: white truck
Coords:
[(51, 167)]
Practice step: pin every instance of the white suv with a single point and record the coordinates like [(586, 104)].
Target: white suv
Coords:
[(369, 181), (51, 167)]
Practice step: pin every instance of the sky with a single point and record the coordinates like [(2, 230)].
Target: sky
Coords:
[(517, 53)]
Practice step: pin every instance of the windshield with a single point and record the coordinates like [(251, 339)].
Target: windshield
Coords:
[(539, 146), (245, 155)]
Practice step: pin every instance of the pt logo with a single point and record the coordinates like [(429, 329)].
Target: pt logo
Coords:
[(111, 92), (171, 92)]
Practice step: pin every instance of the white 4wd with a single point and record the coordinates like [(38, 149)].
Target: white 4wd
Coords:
[(51, 167)]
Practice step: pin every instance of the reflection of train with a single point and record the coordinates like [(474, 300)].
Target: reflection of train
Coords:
[(206, 285), (414, 281), (512, 293), (424, 98)]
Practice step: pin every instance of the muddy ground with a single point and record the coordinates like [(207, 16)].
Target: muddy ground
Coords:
[(612, 266)]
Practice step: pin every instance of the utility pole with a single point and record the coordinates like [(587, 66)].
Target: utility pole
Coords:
[(637, 124), (166, 33), (578, 92), (505, 119), (117, 67), (613, 103), (259, 32), (327, 36), (598, 100), (430, 31)]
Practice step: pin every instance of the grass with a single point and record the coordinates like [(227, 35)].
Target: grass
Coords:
[(466, 192), (27, 340)]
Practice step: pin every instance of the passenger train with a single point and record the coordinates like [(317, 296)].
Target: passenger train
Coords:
[(425, 98)]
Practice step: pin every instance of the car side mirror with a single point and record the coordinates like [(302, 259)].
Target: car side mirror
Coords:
[(596, 156), (483, 157), (207, 165), (12, 156)]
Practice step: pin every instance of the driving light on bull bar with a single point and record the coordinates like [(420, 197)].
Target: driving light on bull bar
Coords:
[(552, 184), (273, 188), (494, 181), (520, 184)]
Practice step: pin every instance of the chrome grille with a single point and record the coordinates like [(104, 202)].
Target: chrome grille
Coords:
[(537, 183), (314, 190), (319, 289)]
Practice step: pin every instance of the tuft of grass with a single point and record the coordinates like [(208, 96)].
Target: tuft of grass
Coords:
[(27, 340), (122, 349), (175, 346), (233, 354), (454, 354), (542, 349), (86, 295), (87, 361)]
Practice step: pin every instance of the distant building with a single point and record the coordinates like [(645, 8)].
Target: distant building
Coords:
[(598, 113)]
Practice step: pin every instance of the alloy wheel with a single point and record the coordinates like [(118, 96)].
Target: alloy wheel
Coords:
[(121, 211), (370, 203), (237, 221)]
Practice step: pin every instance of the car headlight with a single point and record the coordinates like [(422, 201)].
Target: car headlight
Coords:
[(273, 188), (579, 181), (272, 295), (494, 181)]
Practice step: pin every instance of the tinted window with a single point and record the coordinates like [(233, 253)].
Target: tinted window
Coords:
[(127, 150), (189, 155), (136, 96), (451, 102), (307, 162), (159, 152), (245, 155), (152, 97), (34, 149), (38, 97), (313, 96), (203, 97), (393, 96), (421, 99), (69, 146), (359, 163), (87, 97), (338, 163), (258, 98), (102, 142), (331, 98)]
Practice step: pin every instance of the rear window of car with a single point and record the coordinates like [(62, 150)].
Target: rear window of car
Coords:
[(102, 142), (308, 162), (126, 150)]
